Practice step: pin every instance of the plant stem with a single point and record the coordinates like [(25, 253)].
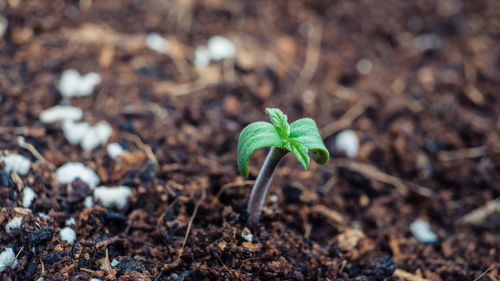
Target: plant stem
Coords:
[(262, 182)]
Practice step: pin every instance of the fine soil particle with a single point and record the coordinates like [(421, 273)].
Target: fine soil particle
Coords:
[(79, 190), (417, 81)]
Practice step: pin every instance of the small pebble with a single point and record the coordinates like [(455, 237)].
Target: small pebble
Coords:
[(115, 262), (28, 197), (156, 42), (221, 48), (17, 163), (348, 142), (13, 224), (72, 170), (112, 196), (7, 258), (68, 234), (422, 231), (364, 66), (72, 84), (61, 113), (114, 150)]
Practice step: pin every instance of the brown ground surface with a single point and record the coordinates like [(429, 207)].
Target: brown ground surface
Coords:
[(427, 115)]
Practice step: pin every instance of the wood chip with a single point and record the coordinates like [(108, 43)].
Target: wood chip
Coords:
[(405, 275), (330, 214), (479, 215), (349, 239)]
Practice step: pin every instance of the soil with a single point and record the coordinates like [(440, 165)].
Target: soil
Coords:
[(418, 81)]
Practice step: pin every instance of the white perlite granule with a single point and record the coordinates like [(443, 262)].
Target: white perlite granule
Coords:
[(247, 235), (347, 141), (28, 197), (14, 223), (115, 196), (202, 56), (72, 84), (89, 137), (75, 132), (70, 221), (87, 202), (72, 170), (61, 113), (68, 234), (17, 163), (156, 42), (7, 258), (221, 48), (114, 150), (218, 48), (422, 231), (98, 134)]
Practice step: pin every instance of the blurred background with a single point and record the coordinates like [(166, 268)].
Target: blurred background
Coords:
[(406, 95)]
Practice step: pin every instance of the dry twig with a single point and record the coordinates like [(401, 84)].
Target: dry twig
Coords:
[(344, 122), (164, 213), (230, 185), (312, 56), (484, 273), (202, 198), (330, 214), (462, 153), (108, 241), (42, 265), (225, 267), (373, 173), (185, 89), (88, 270), (146, 148), (477, 216), (32, 150), (17, 255), (408, 276), (13, 130)]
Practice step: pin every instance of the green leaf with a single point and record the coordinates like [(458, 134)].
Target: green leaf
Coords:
[(306, 131), (299, 149), (280, 122), (253, 137)]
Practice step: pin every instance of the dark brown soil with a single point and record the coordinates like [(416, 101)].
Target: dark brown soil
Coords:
[(427, 114)]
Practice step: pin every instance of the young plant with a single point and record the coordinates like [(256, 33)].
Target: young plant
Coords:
[(299, 137)]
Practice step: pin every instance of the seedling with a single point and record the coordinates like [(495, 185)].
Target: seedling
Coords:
[(299, 137)]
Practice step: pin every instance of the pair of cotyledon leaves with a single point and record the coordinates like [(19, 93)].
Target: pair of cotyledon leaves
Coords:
[(299, 137)]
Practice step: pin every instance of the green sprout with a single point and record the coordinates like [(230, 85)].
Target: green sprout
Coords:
[(299, 137)]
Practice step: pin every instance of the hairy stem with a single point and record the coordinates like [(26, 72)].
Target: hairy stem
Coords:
[(261, 185)]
